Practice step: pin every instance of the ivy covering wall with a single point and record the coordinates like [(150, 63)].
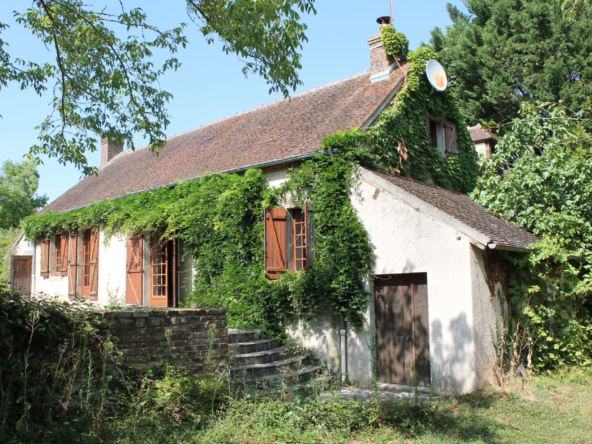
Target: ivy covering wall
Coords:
[(220, 218), (400, 136)]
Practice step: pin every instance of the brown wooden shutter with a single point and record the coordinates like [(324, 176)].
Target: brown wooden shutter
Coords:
[(64, 259), (45, 258), (94, 264), (451, 138), (275, 242), (72, 264), (135, 270)]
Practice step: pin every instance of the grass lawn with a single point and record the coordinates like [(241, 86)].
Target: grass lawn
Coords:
[(547, 409), (555, 409)]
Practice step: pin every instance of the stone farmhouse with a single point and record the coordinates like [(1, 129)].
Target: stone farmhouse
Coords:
[(438, 300)]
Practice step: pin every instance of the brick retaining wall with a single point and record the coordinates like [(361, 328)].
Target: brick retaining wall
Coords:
[(141, 336)]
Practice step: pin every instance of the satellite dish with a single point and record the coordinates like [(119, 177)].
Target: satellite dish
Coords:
[(436, 75)]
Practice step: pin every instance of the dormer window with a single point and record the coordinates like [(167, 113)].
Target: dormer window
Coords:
[(443, 136)]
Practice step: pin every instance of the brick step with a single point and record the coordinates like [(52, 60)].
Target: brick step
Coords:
[(270, 368), (235, 336), (300, 376), (259, 345), (263, 357)]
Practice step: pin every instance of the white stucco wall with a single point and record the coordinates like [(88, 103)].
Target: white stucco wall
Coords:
[(112, 269), (408, 240)]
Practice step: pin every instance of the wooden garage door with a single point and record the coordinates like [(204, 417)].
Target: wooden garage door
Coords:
[(20, 278), (402, 329)]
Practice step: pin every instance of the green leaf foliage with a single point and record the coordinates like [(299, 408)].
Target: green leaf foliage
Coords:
[(220, 221), (395, 43), (539, 178), (104, 81), (505, 52), (400, 137), (18, 187)]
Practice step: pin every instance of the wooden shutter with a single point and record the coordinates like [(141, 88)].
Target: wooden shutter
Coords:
[(45, 258), (94, 264), (451, 138), (275, 242), (72, 264), (135, 270), (63, 271)]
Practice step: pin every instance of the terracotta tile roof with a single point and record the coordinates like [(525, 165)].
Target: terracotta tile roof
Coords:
[(280, 130), (479, 134), (462, 208)]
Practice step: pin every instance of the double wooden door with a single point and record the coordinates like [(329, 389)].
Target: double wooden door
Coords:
[(402, 329), (163, 269)]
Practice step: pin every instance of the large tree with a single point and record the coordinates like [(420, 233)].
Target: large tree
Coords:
[(540, 179), (18, 192), (504, 52), (104, 81)]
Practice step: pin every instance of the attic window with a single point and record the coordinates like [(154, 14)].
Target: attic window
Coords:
[(443, 136)]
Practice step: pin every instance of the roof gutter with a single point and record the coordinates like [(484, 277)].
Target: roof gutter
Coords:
[(271, 163), (492, 245)]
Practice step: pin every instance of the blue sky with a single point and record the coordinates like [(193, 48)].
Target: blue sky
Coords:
[(210, 84)]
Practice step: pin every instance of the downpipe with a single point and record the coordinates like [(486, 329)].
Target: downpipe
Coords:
[(343, 333)]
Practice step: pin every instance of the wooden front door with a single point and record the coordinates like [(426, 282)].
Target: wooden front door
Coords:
[(402, 329), (20, 278), (163, 272)]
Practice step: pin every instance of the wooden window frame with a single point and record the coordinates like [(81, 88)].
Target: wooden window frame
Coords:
[(170, 264), (291, 251), (60, 260)]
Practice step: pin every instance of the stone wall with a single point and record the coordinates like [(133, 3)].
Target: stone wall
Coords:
[(141, 337)]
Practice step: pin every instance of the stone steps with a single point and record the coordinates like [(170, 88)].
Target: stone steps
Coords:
[(269, 368), (265, 364)]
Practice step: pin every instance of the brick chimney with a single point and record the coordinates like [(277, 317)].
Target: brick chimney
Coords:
[(381, 65), (109, 150)]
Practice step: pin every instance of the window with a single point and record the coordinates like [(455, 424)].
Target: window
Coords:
[(163, 271), (299, 239), (58, 253), (443, 136), (287, 240), (433, 133), (61, 255)]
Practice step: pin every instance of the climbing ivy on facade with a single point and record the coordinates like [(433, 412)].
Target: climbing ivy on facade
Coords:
[(220, 218)]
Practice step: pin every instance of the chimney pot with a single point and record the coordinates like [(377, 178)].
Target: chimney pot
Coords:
[(109, 150)]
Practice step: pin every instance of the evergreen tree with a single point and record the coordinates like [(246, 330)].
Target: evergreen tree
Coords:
[(504, 52)]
